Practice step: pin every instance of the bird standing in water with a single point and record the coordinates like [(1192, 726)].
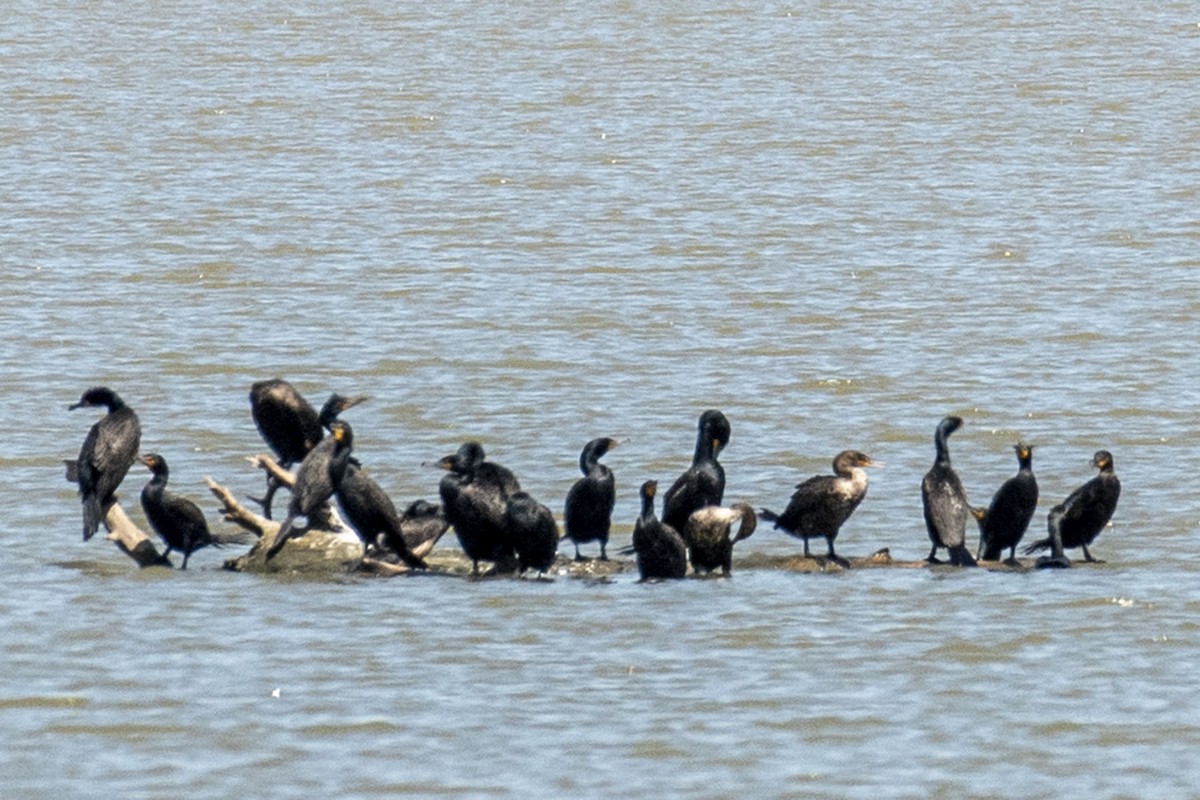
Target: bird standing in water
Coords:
[(703, 483), (708, 538), (945, 501), (177, 520), (588, 511), (106, 455), (1007, 517), (823, 503), (661, 552), (1078, 520)]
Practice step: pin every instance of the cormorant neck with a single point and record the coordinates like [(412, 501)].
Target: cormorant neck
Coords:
[(647, 508), (943, 447)]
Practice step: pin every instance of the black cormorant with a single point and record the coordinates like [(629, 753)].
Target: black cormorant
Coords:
[(588, 511), (422, 524), (661, 552), (177, 520), (1008, 515), (708, 539), (475, 496), (703, 484), (823, 503), (945, 501), (289, 424), (533, 531), (106, 455), (1078, 520), (314, 484), (366, 505)]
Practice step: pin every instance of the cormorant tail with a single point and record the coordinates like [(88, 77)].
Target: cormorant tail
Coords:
[(285, 532), (235, 537), (960, 556), (93, 515), (768, 515), (1036, 547)]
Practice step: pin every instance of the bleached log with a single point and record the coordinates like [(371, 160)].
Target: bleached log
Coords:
[(123, 531)]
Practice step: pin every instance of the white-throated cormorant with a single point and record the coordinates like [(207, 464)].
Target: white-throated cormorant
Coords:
[(106, 455), (708, 539), (823, 503)]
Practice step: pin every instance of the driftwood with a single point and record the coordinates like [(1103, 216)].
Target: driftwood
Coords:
[(338, 550), (309, 550), (123, 531)]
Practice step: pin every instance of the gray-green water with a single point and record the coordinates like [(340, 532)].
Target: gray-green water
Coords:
[(540, 223)]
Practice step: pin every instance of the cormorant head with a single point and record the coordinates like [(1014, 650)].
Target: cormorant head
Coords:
[(714, 428), (156, 463), (98, 396), (593, 451), (335, 405), (1102, 460), (470, 455), (855, 458), (421, 508), (649, 490), (949, 425), (342, 433)]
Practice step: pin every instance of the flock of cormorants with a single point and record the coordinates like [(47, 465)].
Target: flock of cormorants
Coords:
[(495, 521)]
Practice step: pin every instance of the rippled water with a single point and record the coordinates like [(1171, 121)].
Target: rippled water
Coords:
[(534, 225)]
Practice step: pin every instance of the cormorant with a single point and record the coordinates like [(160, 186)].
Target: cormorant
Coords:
[(289, 425), (588, 511), (707, 535), (703, 484), (1078, 520), (106, 455), (422, 524), (661, 552), (314, 484), (475, 496), (823, 503), (177, 520), (533, 531), (1005, 521), (365, 504), (945, 501)]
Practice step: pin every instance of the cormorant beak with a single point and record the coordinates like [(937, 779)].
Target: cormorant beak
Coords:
[(444, 463), (147, 460), (74, 406), (871, 463), (351, 402)]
